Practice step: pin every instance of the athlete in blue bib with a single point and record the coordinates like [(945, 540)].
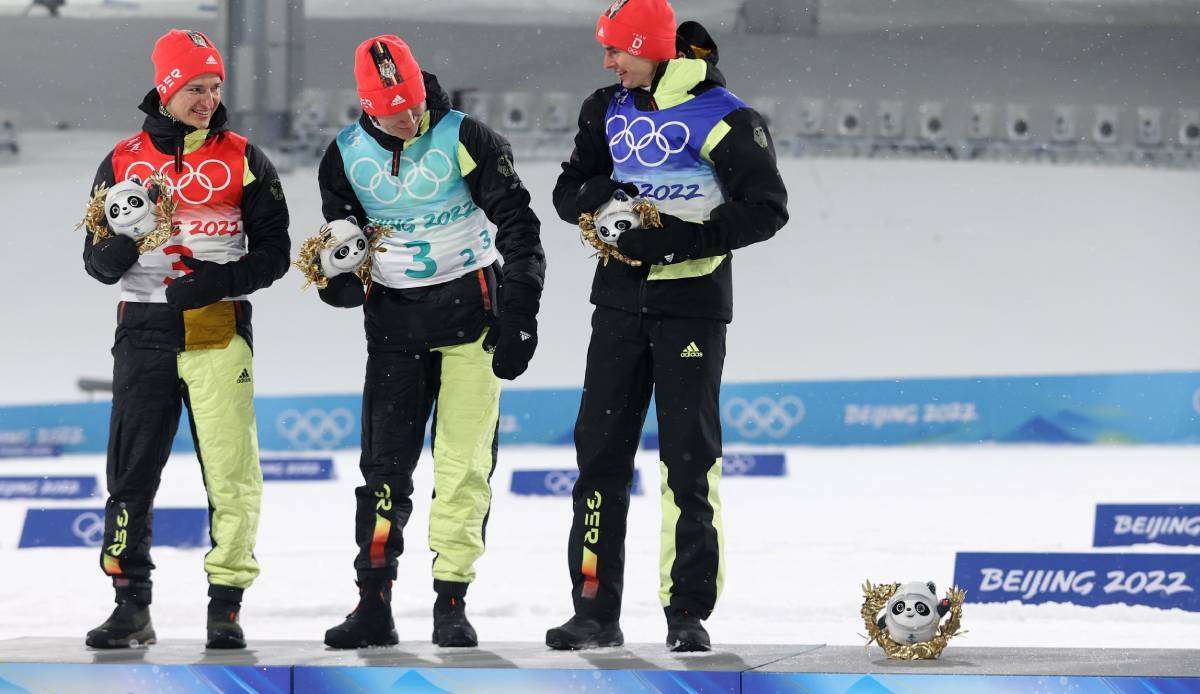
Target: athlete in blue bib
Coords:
[(444, 322), (669, 132)]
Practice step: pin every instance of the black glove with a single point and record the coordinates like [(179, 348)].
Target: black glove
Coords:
[(208, 283), (343, 291), (512, 341), (677, 240), (113, 256), (598, 190)]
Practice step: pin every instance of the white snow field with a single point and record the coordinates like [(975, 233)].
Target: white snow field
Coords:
[(887, 269), (797, 548)]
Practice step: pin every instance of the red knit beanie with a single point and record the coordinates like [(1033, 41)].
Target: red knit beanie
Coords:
[(388, 77), (181, 55), (645, 28)]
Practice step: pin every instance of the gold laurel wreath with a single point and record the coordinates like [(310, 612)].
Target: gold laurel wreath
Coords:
[(93, 221), (308, 262), (875, 599), (587, 231)]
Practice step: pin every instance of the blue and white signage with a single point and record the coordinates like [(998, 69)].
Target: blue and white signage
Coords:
[(754, 465), (1156, 580), (84, 527), (47, 487), (29, 450), (555, 482), (1153, 408), (1139, 524), (296, 469)]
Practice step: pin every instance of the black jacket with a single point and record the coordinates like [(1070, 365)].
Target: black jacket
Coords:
[(456, 311), (755, 204), (264, 221)]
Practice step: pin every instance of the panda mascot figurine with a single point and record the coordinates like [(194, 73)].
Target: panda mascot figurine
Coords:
[(129, 208), (616, 217), (348, 250), (912, 613)]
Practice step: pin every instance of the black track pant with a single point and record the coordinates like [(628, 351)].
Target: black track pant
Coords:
[(680, 359), (400, 391), (149, 388)]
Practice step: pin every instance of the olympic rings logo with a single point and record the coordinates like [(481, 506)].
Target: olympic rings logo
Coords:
[(560, 482), (624, 142), (89, 527), (185, 185), (315, 429), (736, 464), (420, 179), (754, 418)]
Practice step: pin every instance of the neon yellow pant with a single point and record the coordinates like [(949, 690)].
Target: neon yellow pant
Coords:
[(401, 390)]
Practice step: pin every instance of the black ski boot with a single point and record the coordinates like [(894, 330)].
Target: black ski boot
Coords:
[(371, 623), (129, 624), (451, 629), (581, 632), (685, 633), (224, 607)]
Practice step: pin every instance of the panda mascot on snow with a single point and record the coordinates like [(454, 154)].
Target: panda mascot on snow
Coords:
[(616, 217), (912, 613), (348, 247), (129, 208)]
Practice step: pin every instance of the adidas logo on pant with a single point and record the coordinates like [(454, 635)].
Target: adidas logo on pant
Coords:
[(691, 350), (245, 377)]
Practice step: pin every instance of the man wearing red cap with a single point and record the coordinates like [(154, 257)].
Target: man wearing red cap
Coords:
[(670, 132), (183, 335), (444, 322)]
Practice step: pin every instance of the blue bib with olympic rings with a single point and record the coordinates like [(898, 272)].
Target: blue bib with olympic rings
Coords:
[(439, 233), (661, 151)]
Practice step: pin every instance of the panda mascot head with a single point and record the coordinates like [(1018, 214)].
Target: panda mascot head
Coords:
[(913, 612), (616, 217), (349, 249), (129, 208)]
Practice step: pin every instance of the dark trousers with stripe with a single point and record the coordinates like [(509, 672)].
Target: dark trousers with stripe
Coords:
[(401, 390), (680, 361)]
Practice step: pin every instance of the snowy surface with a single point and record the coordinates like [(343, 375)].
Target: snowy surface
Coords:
[(797, 549), (886, 269)]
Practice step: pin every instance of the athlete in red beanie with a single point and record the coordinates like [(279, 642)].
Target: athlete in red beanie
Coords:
[(186, 58), (672, 132), (183, 335)]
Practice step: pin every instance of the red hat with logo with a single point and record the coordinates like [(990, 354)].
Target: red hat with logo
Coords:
[(181, 55), (645, 28), (388, 77)]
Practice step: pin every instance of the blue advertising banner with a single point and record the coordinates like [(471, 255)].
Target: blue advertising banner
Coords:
[(84, 527), (1156, 580), (1157, 408), (508, 679), (829, 683), (34, 450), (47, 487), (1120, 525), (296, 469), (144, 677), (555, 482), (754, 465)]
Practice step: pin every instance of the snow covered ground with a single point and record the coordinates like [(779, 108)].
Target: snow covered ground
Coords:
[(797, 551)]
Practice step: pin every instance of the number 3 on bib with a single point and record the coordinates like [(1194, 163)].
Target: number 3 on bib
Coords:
[(429, 267)]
